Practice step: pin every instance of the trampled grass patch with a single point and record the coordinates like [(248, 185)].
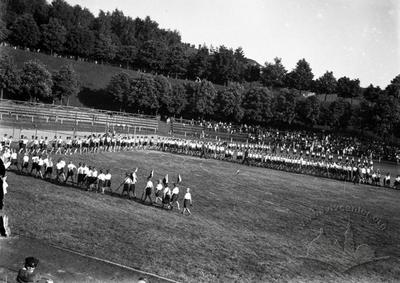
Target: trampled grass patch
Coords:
[(259, 225)]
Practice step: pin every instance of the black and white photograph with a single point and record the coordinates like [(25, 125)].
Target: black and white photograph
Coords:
[(150, 141)]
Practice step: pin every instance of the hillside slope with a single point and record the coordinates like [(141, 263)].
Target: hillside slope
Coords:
[(93, 78)]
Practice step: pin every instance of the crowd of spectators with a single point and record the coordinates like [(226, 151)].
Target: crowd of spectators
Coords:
[(357, 146)]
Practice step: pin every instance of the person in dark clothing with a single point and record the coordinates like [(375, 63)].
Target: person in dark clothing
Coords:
[(29, 273), (2, 175)]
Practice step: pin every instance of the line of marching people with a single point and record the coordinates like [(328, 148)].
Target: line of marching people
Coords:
[(313, 161), (163, 195), (88, 177)]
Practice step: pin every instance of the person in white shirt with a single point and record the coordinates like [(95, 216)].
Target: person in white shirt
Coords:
[(14, 159), (187, 200), (70, 172), (107, 177), (35, 160), (93, 183), (159, 191), (166, 196), (127, 185), (175, 196), (60, 170), (85, 172), (148, 190), (387, 180), (39, 167), (79, 179), (89, 177), (133, 177), (49, 168), (101, 182)]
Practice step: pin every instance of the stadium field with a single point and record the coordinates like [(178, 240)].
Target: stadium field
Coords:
[(248, 224)]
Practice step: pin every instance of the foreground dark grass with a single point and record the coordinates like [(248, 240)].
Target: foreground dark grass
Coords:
[(254, 226)]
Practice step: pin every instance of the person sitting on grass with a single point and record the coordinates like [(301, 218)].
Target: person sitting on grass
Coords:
[(187, 200), (29, 272)]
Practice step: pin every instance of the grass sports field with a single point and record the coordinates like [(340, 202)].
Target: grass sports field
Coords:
[(256, 226)]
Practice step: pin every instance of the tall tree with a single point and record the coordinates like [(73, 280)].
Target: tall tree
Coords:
[(9, 78), (24, 32), (83, 18), (199, 64), (80, 42), (285, 107), (301, 76), (120, 88), (64, 12), (372, 93), (126, 54), (326, 84), (152, 56), (273, 74), (176, 62), (144, 90), (229, 103), (348, 88), (65, 83), (224, 66), (257, 105), (251, 73), (39, 9), (203, 98), (308, 110), (164, 93), (53, 36), (386, 115), (393, 88), (340, 113), (36, 82), (104, 49), (178, 100)]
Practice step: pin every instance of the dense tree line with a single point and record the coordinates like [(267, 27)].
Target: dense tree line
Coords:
[(35, 83), (377, 112), (114, 38)]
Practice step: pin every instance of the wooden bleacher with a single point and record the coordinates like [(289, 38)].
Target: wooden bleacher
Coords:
[(40, 115), (186, 128)]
